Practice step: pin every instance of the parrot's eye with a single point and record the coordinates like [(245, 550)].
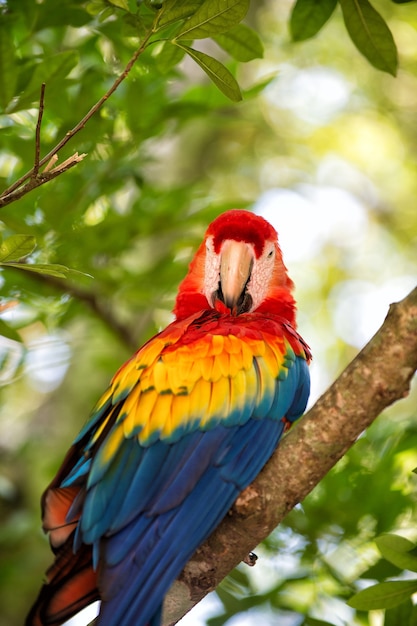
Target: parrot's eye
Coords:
[(271, 254)]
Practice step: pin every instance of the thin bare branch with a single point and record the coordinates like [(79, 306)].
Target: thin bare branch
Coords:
[(16, 190), (50, 164), (377, 377), (38, 131), (44, 177)]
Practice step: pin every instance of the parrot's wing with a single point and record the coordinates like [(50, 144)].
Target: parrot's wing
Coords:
[(185, 425)]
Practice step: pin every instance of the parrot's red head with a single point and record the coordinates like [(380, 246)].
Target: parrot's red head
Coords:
[(237, 269)]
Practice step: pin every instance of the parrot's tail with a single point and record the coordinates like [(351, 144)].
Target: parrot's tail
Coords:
[(71, 584)]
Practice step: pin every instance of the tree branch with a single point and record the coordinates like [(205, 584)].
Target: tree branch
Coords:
[(38, 132), (18, 188), (377, 377)]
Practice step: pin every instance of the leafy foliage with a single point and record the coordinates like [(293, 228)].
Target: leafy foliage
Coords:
[(309, 16), (366, 27), (403, 554), (370, 34), (166, 152)]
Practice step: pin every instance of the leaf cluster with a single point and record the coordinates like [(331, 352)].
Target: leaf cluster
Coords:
[(396, 595), (366, 27)]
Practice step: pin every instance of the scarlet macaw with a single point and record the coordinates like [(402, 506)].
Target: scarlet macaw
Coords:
[(185, 425)]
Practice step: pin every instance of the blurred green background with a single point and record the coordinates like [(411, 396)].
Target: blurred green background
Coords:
[(323, 145)]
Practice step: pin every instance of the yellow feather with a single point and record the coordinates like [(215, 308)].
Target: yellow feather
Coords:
[(235, 344), (102, 426), (161, 415), (247, 356), (172, 356), (199, 349), (144, 434), (130, 411), (195, 371), (278, 348), (219, 402), (112, 443), (221, 365), (157, 418), (180, 413), (266, 385), (270, 359), (251, 386), (183, 370), (216, 371), (138, 418), (238, 391), (207, 365), (235, 364), (200, 400), (106, 395), (258, 347), (146, 380), (217, 344), (127, 377), (159, 375), (147, 355), (130, 401), (176, 381)]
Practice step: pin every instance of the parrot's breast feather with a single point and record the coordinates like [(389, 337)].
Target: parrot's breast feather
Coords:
[(194, 376)]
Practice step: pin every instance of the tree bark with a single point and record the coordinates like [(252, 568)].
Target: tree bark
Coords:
[(379, 375)]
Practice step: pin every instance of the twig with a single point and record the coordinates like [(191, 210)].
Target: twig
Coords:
[(38, 132), (16, 191), (376, 378), (44, 177), (50, 164)]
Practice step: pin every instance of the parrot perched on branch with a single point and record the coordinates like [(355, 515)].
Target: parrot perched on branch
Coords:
[(185, 425)]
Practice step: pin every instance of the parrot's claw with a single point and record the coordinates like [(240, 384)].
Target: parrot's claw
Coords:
[(250, 559)]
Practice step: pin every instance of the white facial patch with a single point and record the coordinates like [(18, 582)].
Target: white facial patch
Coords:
[(261, 275), (212, 271)]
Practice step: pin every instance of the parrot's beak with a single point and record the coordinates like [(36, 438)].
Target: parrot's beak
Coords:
[(235, 270)]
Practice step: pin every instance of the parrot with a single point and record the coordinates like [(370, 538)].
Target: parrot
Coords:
[(185, 425)]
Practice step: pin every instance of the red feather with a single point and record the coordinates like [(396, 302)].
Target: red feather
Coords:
[(241, 225)]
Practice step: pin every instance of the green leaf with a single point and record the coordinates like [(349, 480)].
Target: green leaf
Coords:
[(217, 72), (121, 4), (9, 332), (399, 615), (16, 247), (175, 10), (95, 7), (383, 595), (51, 269), (370, 34), (381, 570), (214, 16), (309, 16), (242, 43), (169, 56), (396, 550)]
